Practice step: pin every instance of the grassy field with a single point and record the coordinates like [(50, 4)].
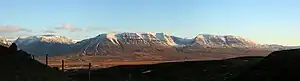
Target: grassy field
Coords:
[(138, 59)]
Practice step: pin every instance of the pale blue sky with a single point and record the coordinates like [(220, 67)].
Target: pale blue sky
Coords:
[(264, 21)]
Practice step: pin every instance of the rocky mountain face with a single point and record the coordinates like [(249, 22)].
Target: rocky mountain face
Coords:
[(131, 43), (44, 44), (19, 63), (120, 43)]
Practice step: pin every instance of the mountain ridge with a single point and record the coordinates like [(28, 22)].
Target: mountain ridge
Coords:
[(131, 42), (46, 44)]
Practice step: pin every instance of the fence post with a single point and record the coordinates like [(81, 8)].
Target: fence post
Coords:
[(90, 71), (47, 59), (62, 65), (129, 76), (17, 78)]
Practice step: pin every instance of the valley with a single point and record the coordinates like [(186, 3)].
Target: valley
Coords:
[(138, 59)]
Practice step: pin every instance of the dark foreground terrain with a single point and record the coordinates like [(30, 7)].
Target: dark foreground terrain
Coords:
[(17, 65), (217, 70), (278, 66)]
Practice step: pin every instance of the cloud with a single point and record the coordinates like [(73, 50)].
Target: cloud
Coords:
[(13, 29), (49, 31), (15, 35), (11, 37), (68, 27)]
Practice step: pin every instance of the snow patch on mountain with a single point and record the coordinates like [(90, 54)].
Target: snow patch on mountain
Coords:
[(166, 38), (3, 40), (75, 41), (237, 41), (209, 40), (111, 36), (128, 37)]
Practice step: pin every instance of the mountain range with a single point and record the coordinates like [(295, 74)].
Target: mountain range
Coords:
[(131, 43)]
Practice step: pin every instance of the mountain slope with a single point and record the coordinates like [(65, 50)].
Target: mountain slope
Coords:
[(207, 40), (120, 43), (4, 41), (46, 44), (277, 66)]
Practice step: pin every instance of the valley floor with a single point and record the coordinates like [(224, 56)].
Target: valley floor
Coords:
[(213, 70), (82, 62), (110, 61)]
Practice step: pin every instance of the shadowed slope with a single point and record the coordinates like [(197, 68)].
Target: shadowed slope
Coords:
[(278, 66), (19, 66), (215, 70)]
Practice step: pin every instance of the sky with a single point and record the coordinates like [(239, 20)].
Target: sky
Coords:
[(263, 21)]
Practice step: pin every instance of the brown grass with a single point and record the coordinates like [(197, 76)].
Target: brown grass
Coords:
[(156, 57)]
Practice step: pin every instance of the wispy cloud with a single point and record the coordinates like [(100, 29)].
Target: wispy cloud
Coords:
[(68, 27), (15, 35), (13, 29)]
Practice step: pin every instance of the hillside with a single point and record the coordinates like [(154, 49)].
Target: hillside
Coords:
[(19, 66), (278, 66)]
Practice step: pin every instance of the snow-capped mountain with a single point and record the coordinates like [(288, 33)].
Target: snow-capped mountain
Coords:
[(137, 38), (4, 41), (130, 42), (44, 44), (44, 38), (118, 43), (166, 39), (222, 41), (237, 41), (124, 42)]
